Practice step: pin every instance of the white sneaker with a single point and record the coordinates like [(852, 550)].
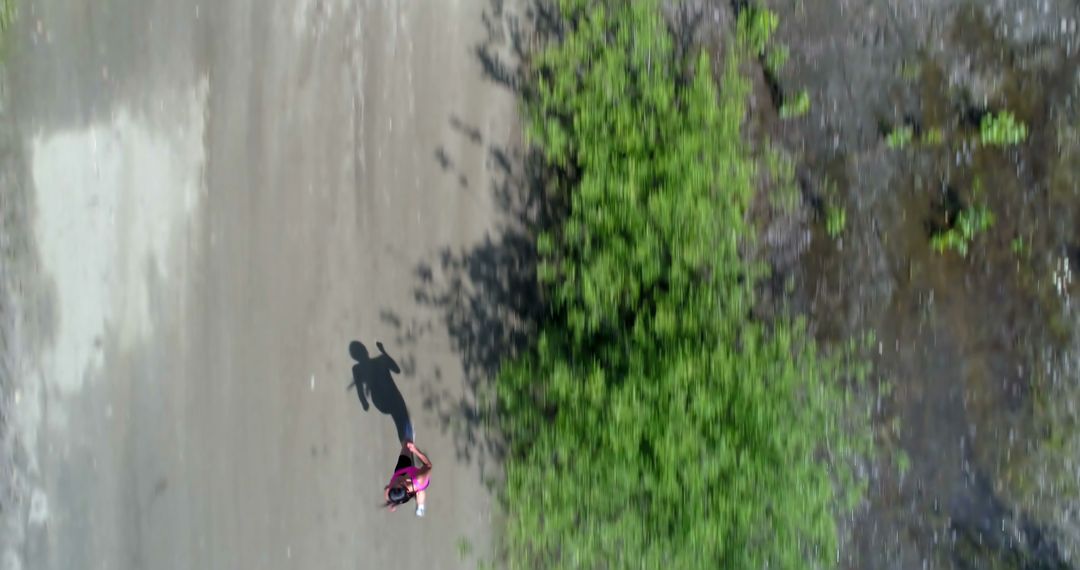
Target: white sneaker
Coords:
[(420, 510)]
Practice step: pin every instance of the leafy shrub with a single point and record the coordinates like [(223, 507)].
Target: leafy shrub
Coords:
[(1002, 129), (900, 137), (909, 71), (797, 107), (1020, 247), (835, 220), (775, 58), (755, 26), (933, 136), (655, 423), (8, 13), (969, 223)]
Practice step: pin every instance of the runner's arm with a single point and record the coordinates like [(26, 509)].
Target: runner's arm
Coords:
[(420, 455)]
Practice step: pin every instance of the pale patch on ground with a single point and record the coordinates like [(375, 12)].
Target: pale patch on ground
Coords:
[(111, 200)]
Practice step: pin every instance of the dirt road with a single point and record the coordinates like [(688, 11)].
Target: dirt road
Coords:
[(209, 201)]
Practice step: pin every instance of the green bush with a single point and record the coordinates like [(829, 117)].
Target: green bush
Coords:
[(969, 223), (933, 136), (8, 13), (1020, 247), (655, 423), (756, 26), (900, 137), (796, 107), (1002, 129), (835, 220), (776, 58), (909, 71)]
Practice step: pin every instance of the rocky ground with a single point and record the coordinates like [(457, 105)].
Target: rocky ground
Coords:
[(979, 350)]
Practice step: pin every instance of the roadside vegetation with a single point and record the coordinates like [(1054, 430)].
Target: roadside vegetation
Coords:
[(1002, 129), (7, 16), (969, 223), (900, 137), (835, 220), (933, 136), (656, 422), (796, 107)]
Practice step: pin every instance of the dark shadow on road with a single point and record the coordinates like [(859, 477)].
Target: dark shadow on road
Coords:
[(373, 381), (511, 35), (490, 302), (487, 296), (471, 133)]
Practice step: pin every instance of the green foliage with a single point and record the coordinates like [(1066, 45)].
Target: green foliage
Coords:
[(910, 71), (464, 548), (796, 107), (835, 220), (933, 136), (1020, 247), (755, 26), (654, 423), (780, 169), (903, 462), (775, 58), (1002, 129), (900, 137), (835, 214), (8, 13), (969, 223)]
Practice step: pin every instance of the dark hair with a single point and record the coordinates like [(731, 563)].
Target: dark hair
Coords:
[(399, 496)]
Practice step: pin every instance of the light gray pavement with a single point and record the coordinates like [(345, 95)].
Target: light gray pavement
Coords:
[(218, 197)]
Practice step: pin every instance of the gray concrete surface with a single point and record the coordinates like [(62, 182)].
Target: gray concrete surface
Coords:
[(213, 200)]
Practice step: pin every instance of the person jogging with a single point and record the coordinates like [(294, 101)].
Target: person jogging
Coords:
[(409, 481)]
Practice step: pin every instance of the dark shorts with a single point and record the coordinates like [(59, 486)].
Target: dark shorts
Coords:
[(403, 461)]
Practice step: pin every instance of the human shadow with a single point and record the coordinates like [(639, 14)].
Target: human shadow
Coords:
[(373, 381)]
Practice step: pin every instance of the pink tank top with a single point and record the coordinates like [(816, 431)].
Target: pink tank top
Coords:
[(411, 472)]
